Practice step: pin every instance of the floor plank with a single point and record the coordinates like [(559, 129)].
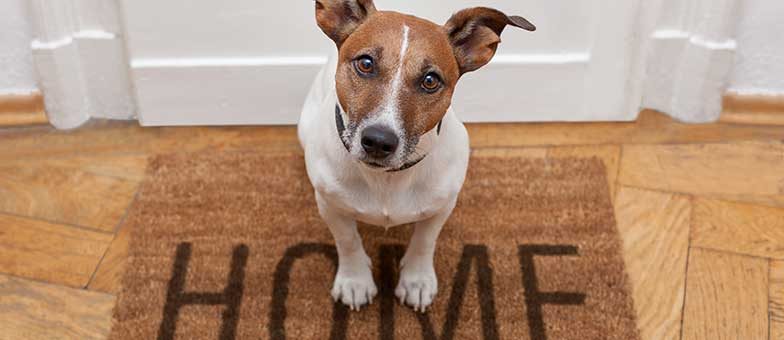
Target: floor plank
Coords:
[(726, 296), (655, 232), (650, 128), (32, 310), (116, 137), (753, 109), (123, 137), (50, 252), (748, 172), (21, 110), (776, 304), (91, 191), (23, 118), (740, 228), (88, 176), (755, 118), (108, 276)]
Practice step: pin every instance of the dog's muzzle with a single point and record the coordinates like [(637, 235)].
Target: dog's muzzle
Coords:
[(378, 142)]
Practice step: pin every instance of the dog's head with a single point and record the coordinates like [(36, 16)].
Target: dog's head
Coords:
[(396, 73)]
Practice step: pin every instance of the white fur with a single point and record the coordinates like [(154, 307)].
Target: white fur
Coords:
[(348, 191), (388, 113), (393, 100)]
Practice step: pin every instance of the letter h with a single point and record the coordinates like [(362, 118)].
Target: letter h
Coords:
[(231, 296)]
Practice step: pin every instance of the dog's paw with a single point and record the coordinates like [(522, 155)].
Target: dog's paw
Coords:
[(418, 285), (354, 288)]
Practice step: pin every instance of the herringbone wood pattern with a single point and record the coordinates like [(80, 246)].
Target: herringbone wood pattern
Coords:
[(700, 208)]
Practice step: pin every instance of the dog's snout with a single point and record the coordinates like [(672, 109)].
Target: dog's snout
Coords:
[(379, 142)]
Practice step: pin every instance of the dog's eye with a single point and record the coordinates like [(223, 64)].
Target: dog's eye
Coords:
[(431, 82), (365, 65)]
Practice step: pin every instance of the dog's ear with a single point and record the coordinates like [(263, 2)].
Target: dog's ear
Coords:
[(476, 32), (339, 18)]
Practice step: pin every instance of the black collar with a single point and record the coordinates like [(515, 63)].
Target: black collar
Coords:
[(342, 127)]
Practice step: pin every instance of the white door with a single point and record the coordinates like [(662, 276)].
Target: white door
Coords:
[(206, 62)]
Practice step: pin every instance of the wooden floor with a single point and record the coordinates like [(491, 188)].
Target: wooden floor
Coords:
[(700, 209)]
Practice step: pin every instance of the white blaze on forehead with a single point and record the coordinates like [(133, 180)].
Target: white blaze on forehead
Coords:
[(392, 100), (388, 114)]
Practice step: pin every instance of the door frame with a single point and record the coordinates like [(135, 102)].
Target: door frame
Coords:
[(690, 54), (79, 57)]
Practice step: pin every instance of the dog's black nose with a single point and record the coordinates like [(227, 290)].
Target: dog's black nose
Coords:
[(379, 142)]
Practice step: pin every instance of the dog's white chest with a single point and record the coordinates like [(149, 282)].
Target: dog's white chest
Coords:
[(386, 204)]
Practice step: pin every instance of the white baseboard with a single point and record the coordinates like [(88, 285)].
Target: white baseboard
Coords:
[(527, 92), (221, 91)]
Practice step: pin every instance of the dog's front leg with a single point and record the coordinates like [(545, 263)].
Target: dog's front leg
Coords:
[(353, 284), (418, 284)]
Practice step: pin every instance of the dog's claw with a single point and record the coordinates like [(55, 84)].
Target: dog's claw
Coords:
[(417, 286), (400, 292), (354, 291)]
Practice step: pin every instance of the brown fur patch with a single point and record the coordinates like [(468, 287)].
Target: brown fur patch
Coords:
[(429, 50), (338, 18), (467, 42), (476, 32)]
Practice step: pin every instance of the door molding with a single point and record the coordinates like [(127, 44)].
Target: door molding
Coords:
[(80, 60), (690, 54)]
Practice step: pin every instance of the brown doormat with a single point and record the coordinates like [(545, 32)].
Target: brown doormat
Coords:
[(229, 245)]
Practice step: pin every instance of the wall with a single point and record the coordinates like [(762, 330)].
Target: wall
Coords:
[(16, 66), (759, 63)]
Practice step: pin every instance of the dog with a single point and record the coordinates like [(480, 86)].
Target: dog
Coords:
[(382, 144)]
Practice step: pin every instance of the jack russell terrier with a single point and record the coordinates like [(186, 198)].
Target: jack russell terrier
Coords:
[(382, 145)]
